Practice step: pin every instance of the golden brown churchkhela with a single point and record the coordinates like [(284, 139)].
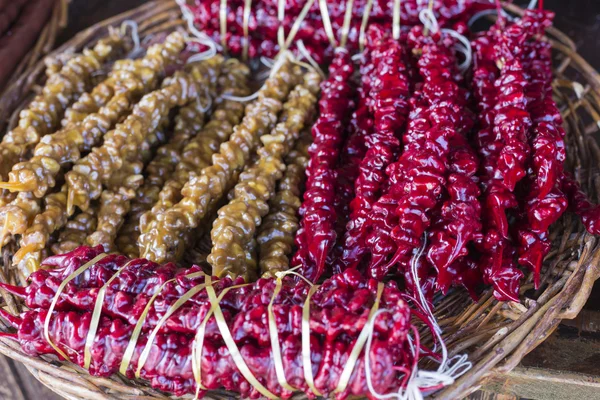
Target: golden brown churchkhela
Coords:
[(53, 65), (165, 237), (87, 177), (114, 206), (189, 121), (111, 100), (35, 238), (197, 154), (57, 150), (76, 231), (139, 77), (234, 229), (46, 110), (275, 235), (116, 203)]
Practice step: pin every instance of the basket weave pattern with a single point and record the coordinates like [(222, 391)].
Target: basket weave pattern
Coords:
[(495, 335)]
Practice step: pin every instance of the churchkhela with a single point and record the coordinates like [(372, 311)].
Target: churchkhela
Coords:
[(344, 202)]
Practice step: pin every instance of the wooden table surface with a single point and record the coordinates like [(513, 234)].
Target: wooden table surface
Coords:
[(562, 358)]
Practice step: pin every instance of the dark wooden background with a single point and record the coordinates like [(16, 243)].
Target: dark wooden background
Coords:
[(567, 353)]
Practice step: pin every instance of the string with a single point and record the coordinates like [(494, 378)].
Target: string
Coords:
[(396, 20), (429, 21), (306, 54), (357, 57), (296, 25), (223, 23), (484, 13), (463, 46), (418, 380), (134, 36), (203, 108), (327, 22), (95, 321), (199, 342), (436, 331), (204, 55), (499, 8), (364, 335), (347, 20), (170, 311), (465, 49), (274, 334), (280, 18), (281, 59), (429, 11), (59, 291), (268, 62), (230, 342), (416, 279), (306, 359), (135, 334), (199, 37), (246, 21), (363, 26)]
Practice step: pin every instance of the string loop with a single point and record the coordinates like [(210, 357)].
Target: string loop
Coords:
[(59, 291), (463, 46), (198, 37), (137, 48)]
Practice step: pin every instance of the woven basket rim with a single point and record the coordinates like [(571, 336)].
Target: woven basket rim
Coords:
[(504, 332)]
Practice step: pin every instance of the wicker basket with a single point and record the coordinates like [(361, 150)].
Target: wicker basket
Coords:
[(495, 335)]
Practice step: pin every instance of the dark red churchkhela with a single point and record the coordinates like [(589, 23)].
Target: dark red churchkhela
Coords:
[(485, 74), (339, 310), (580, 204), (505, 152), (438, 120), (317, 234), (263, 22), (355, 148), (389, 91), (545, 202)]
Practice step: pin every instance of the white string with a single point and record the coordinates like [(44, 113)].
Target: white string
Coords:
[(422, 299), (202, 108), (147, 39), (306, 54), (418, 380), (281, 58), (532, 4), (465, 49), (431, 24), (491, 11), (268, 62), (134, 36), (437, 331), (280, 17), (357, 57), (204, 55), (396, 20), (199, 37), (429, 20)]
